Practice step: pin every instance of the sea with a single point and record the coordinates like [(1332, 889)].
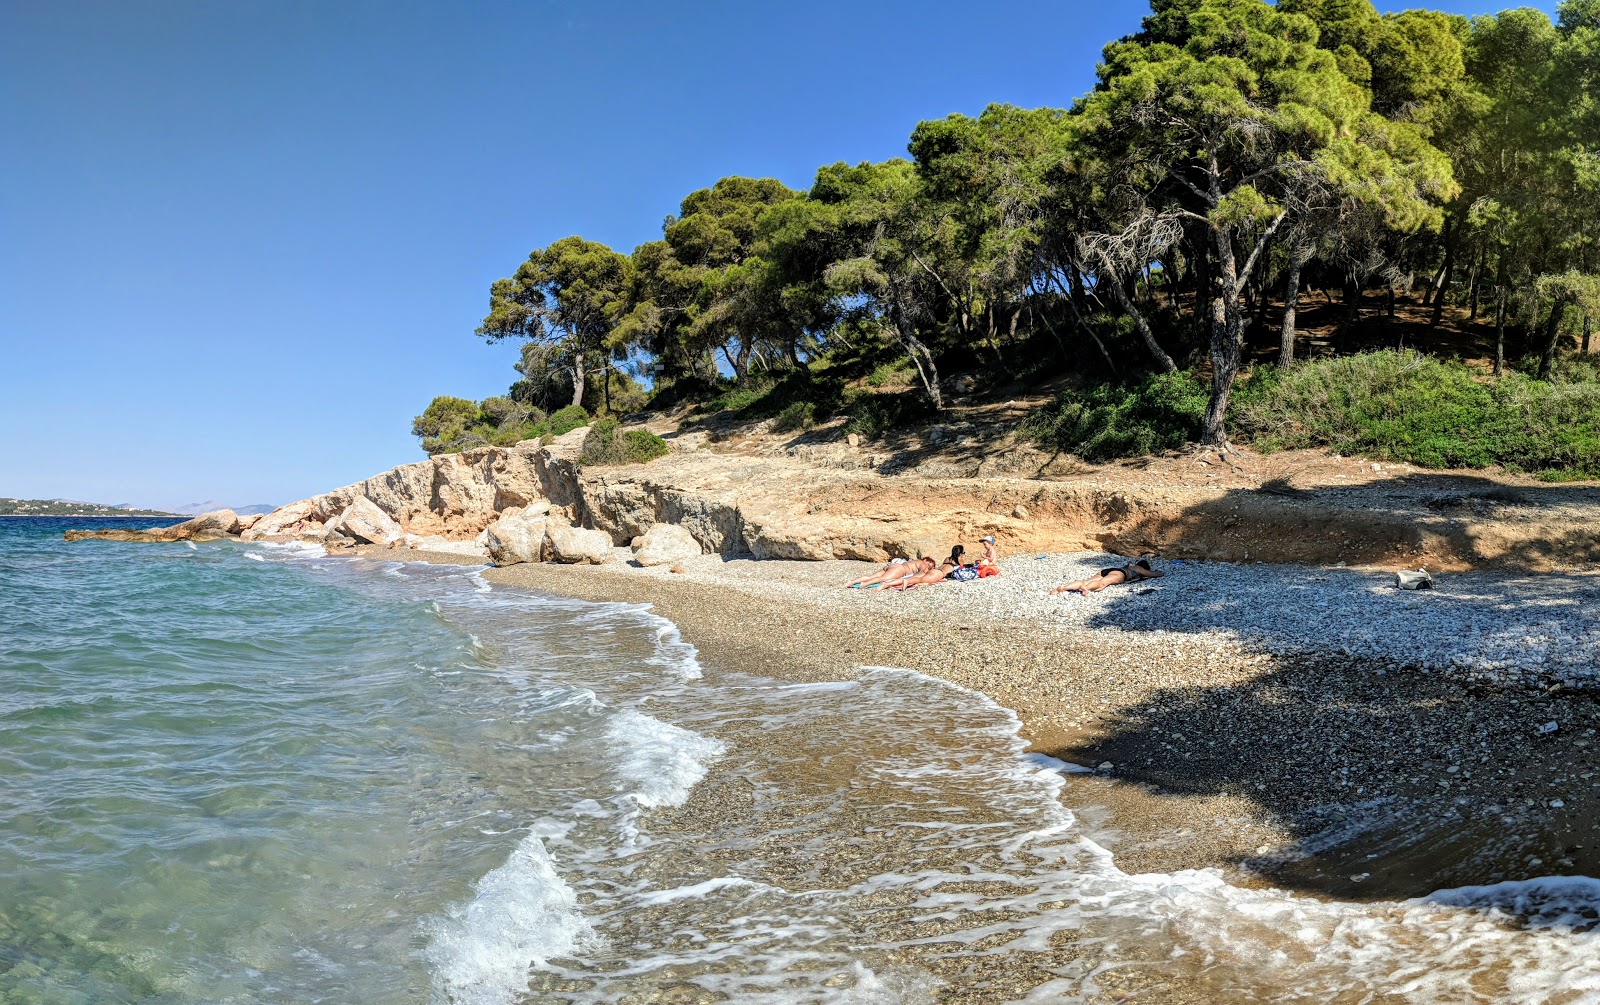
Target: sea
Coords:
[(247, 773)]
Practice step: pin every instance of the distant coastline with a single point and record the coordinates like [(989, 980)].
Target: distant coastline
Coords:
[(71, 507)]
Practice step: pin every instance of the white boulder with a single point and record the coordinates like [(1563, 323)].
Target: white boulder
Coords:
[(517, 536), (577, 546), (666, 544)]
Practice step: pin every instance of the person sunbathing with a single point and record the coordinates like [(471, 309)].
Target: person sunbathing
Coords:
[(954, 568), (933, 575), (1133, 572), (896, 570)]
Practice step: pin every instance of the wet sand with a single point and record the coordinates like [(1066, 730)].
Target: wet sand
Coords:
[(1335, 775)]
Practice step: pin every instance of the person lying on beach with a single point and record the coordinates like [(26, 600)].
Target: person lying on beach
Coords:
[(896, 570), (935, 575), (1133, 572), (954, 568)]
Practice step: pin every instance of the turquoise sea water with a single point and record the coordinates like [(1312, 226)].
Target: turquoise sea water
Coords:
[(252, 774)]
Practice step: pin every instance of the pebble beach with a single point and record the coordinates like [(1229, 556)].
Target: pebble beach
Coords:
[(1314, 728)]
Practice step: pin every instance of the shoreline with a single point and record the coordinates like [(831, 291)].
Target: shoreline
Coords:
[(1338, 775)]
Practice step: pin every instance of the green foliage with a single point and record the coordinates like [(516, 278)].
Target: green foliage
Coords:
[(1403, 406), (450, 425), (896, 375), (567, 419), (873, 415), (608, 443), (795, 416), (1106, 421), (566, 299), (1228, 146)]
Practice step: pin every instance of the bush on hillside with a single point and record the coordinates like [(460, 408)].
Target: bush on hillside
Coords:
[(567, 419), (1403, 406), (1105, 421), (450, 425), (872, 415), (795, 417), (608, 443)]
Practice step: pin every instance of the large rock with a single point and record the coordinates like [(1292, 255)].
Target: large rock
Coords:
[(365, 521), (666, 544), (577, 546), (518, 536), (288, 519), (206, 527)]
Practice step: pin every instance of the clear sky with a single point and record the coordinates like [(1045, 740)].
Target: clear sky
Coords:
[(243, 243)]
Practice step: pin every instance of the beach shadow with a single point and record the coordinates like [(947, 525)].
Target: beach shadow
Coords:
[(1394, 520), (1404, 739)]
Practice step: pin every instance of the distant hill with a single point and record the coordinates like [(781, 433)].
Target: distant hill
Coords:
[(195, 509), (71, 507)]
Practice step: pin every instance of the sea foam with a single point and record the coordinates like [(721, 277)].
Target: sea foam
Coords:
[(521, 915)]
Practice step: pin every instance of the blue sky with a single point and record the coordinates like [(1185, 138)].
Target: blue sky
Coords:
[(243, 243)]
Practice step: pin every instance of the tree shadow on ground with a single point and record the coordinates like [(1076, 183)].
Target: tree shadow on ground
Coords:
[(1402, 738), (1461, 519)]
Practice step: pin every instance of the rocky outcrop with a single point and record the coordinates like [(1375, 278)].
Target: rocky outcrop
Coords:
[(666, 544), (211, 526), (511, 505)]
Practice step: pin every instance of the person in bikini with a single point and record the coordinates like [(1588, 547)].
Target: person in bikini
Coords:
[(1133, 572), (896, 570), (954, 568)]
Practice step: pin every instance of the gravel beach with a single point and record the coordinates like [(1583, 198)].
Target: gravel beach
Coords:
[(1308, 727)]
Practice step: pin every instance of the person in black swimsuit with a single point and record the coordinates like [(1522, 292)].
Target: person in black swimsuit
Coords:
[(1133, 572)]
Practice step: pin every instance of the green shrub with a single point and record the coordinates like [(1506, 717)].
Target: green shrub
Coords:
[(895, 375), (872, 415), (1403, 406), (608, 443), (567, 419), (735, 399), (798, 415), (1107, 421)]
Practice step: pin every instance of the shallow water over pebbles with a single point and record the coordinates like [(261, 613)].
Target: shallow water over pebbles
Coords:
[(255, 775)]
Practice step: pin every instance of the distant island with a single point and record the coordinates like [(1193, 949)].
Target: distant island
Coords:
[(69, 507)]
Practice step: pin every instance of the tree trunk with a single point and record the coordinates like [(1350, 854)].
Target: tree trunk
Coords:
[(1140, 325), (922, 359), (1072, 301), (1552, 335), (1450, 234), (578, 376), (1439, 280), (1227, 331), (1500, 334), (1291, 299), (1472, 296), (1588, 326)]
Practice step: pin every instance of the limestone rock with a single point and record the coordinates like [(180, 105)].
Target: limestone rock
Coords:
[(246, 521), (207, 526), (666, 544), (286, 519), (365, 521), (577, 546), (518, 536)]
